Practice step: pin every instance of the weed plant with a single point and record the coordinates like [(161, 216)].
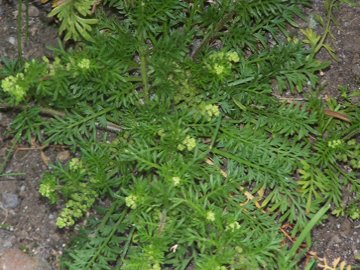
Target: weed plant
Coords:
[(210, 158)]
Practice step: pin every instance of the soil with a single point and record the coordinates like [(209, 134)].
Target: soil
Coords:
[(28, 222)]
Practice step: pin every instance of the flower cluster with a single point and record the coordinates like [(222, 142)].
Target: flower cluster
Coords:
[(335, 143), (188, 143), (15, 87), (352, 155), (220, 63), (210, 216), (130, 201), (233, 226), (75, 164), (53, 67), (76, 207), (84, 64), (209, 111), (47, 188), (156, 266), (176, 180)]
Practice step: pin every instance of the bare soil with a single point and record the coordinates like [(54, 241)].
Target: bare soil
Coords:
[(29, 222)]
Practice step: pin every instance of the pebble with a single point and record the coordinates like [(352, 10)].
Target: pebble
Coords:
[(33, 11), (10, 200), (12, 40), (63, 156), (14, 259), (356, 70), (7, 240)]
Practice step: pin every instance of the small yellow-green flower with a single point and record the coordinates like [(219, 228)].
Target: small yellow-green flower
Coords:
[(233, 57), (161, 133), (210, 111), (55, 66), (75, 164), (156, 266), (210, 216), (219, 69), (11, 85), (46, 190), (351, 142), (94, 180), (334, 143), (233, 226), (189, 143), (176, 180), (130, 201), (84, 63), (65, 219)]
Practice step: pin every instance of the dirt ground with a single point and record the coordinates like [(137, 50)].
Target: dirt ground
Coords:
[(28, 222)]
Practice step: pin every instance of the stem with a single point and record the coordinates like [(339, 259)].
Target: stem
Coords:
[(126, 247), (212, 34), (9, 154), (108, 238), (306, 231), (88, 118), (45, 111), (244, 161), (26, 20), (10, 174), (53, 113), (144, 73), (327, 28), (19, 41)]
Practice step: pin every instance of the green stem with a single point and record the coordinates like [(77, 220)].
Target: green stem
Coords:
[(327, 28), (11, 174), (126, 247), (53, 113), (26, 20), (144, 73), (9, 154), (243, 161), (212, 34), (19, 41), (107, 240), (306, 231), (90, 117)]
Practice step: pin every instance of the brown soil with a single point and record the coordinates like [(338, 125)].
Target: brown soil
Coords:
[(30, 224)]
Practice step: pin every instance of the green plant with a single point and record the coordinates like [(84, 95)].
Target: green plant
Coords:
[(199, 129)]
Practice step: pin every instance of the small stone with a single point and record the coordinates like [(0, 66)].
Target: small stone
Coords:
[(10, 200), (11, 40), (63, 156), (33, 11), (345, 228), (7, 240), (356, 70), (14, 259), (22, 191)]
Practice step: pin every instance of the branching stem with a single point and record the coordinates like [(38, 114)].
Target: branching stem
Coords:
[(54, 113)]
